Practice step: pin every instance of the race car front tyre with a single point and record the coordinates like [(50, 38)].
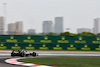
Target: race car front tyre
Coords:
[(12, 55), (22, 54), (27, 55)]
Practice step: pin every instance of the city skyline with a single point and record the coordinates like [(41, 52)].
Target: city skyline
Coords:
[(51, 28), (34, 12)]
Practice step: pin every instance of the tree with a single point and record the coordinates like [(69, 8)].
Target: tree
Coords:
[(67, 34), (86, 34), (98, 34)]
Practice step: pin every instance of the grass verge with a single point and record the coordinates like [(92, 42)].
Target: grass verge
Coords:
[(65, 61)]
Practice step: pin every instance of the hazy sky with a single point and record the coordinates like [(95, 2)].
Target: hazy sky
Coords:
[(76, 13)]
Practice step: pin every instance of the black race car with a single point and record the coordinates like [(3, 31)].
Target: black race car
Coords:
[(23, 53)]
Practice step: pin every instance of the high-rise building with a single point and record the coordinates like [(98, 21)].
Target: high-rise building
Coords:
[(11, 29), (96, 29), (19, 27), (58, 25), (80, 30), (31, 31), (1, 25), (15, 28), (47, 27)]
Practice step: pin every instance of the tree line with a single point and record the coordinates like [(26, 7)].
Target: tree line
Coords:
[(67, 34)]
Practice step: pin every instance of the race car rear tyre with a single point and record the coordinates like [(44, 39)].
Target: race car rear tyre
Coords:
[(34, 54), (12, 55)]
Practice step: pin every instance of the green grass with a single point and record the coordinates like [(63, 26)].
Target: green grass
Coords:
[(65, 61)]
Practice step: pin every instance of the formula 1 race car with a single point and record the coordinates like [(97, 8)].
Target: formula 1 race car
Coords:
[(23, 53)]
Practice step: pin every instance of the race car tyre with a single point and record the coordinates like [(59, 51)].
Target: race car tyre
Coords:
[(22, 54), (12, 55), (34, 54), (26, 55)]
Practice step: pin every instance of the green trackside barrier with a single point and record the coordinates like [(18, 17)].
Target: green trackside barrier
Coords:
[(49, 42), (49, 39), (31, 46)]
